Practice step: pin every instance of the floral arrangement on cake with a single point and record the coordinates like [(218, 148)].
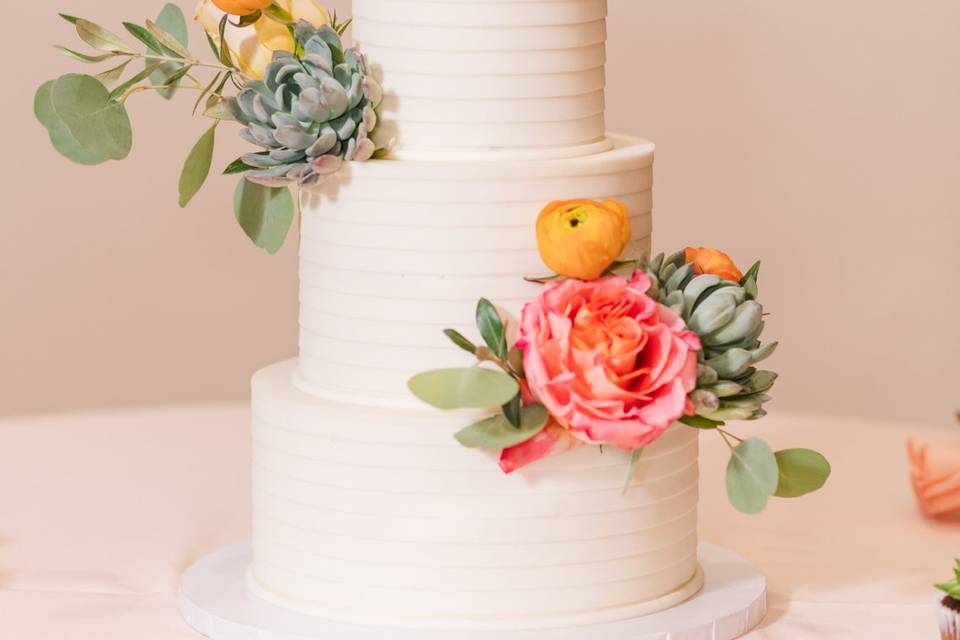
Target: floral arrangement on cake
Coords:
[(614, 353), (279, 71)]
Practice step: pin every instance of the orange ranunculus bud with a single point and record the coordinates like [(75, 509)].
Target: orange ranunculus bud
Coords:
[(713, 261), (242, 7), (582, 238)]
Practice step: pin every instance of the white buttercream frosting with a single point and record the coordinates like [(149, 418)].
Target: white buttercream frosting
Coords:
[(393, 252), (501, 79), (381, 516)]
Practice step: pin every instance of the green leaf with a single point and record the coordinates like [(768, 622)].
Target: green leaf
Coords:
[(197, 167), (277, 13), (177, 75), (248, 20), (699, 422), (84, 124), (632, 469), (544, 279), (206, 90), (512, 411), (497, 433), (172, 22), (264, 213), (457, 338), (469, 388), (99, 38), (69, 18), (752, 476), (143, 36), (118, 91), (237, 166), (83, 57), (213, 46), (225, 57), (491, 328), (61, 138), (110, 76), (168, 41), (801, 471), (219, 110), (753, 273)]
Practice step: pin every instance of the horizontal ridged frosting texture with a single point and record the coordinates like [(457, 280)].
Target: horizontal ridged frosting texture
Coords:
[(381, 516), (493, 79), (393, 252)]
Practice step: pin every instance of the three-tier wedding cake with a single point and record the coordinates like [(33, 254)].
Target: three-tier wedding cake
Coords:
[(365, 507)]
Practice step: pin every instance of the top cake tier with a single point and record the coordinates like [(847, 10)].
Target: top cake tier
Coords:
[(488, 79)]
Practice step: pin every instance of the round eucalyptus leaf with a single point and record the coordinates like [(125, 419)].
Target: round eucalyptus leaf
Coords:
[(264, 213), (752, 476), (97, 124), (497, 432), (469, 388), (802, 471), (60, 137)]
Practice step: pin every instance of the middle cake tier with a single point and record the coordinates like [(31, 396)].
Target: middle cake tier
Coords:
[(393, 252)]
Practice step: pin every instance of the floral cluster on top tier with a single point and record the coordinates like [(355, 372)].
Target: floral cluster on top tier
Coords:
[(616, 352), (304, 99)]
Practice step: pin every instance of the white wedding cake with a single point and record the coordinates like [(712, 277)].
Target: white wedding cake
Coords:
[(365, 508)]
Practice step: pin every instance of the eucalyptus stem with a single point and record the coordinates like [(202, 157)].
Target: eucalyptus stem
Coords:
[(147, 87), (724, 434), (727, 433), (187, 61)]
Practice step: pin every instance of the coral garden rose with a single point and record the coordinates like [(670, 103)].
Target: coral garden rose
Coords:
[(714, 262), (252, 47), (610, 364), (582, 238)]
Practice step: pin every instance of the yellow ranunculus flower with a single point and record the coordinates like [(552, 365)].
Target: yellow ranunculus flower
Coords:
[(582, 238), (252, 47)]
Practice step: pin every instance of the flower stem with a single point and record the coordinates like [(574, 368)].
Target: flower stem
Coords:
[(724, 434), (727, 433), (188, 61)]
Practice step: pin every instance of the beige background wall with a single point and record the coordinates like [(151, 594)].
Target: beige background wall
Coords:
[(822, 136)]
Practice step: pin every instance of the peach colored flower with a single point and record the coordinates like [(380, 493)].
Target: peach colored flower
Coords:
[(935, 473), (610, 364), (713, 261)]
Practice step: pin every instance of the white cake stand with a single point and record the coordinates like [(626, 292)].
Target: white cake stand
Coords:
[(215, 601)]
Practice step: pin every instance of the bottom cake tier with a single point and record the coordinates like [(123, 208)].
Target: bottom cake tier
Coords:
[(379, 516)]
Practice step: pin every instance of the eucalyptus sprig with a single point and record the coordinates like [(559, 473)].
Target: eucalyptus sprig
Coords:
[(87, 120), (466, 388)]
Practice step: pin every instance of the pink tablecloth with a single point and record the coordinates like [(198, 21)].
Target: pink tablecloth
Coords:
[(100, 512)]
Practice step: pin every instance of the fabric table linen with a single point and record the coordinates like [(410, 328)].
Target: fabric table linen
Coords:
[(102, 512)]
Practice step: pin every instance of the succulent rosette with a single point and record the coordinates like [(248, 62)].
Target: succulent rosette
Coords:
[(311, 111)]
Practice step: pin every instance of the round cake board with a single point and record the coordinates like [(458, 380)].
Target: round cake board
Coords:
[(214, 600)]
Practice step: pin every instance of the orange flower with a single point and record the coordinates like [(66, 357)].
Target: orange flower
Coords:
[(242, 7), (582, 238), (713, 261)]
